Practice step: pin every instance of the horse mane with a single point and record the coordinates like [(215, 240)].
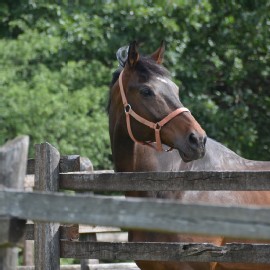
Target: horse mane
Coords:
[(115, 77), (145, 68)]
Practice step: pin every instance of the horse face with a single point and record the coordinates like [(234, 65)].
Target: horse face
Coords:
[(153, 96)]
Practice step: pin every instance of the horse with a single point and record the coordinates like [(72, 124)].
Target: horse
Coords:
[(151, 130)]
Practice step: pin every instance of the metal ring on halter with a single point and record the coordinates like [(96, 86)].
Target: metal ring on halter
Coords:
[(157, 126), (127, 108)]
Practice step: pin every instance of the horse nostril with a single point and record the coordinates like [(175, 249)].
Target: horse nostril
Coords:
[(204, 140), (196, 141), (193, 140)]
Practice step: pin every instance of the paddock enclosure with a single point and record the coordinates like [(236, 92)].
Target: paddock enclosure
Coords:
[(63, 198)]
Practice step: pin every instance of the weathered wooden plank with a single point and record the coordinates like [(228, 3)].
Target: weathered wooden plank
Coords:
[(12, 230), (139, 213), (112, 237), (188, 252), (71, 232), (86, 238), (103, 266), (31, 166), (156, 181), (28, 253), (114, 266), (86, 165), (97, 229), (47, 253), (68, 232), (29, 232), (71, 163), (29, 181), (13, 157)]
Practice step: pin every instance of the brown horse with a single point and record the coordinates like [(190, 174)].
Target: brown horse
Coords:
[(145, 110)]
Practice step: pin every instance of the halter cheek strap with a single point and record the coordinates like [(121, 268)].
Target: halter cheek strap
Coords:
[(156, 126)]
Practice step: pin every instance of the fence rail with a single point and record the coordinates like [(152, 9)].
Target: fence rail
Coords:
[(138, 213), (232, 253), (166, 181), (102, 266)]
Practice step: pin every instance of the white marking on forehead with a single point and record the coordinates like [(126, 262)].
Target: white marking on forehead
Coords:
[(167, 81), (162, 80)]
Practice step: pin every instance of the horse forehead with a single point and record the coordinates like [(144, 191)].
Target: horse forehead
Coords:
[(168, 85), (166, 81)]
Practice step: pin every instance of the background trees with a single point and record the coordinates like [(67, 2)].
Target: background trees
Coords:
[(56, 60)]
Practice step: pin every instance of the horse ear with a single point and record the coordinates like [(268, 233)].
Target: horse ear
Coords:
[(133, 55), (159, 53)]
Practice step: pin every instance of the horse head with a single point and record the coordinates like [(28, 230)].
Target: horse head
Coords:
[(152, 106)]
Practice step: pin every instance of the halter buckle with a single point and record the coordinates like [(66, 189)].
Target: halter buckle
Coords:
[(127, 108)]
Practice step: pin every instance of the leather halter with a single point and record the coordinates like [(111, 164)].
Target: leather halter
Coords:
[(156, 126)]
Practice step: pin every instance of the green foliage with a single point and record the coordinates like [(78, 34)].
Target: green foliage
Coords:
[(49, 95), (56, 60)]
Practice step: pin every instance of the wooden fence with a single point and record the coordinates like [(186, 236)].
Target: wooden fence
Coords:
[(49, 208)]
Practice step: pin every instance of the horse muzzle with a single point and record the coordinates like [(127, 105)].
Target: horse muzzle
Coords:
[(194, 147)]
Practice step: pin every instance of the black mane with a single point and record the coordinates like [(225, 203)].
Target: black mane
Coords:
[(115, 76), (145, 67)]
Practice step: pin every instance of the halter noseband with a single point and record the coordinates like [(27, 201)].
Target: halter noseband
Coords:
[(156, 126)]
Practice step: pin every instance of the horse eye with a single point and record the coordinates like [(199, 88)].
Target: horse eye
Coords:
[(146, 92)]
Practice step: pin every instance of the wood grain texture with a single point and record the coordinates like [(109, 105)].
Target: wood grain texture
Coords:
[(97, 229), (12, 231), (31, 166), (116, 266), (85, 237), (70, 163), (137, 213), (256, 253), (156, 181), (13, 158), (47, 250), (112, 237), (71, 232), (103, 266), (28, 253), (67, 232)]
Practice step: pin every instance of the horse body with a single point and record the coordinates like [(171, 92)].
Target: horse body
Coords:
[(217, 158), (130, 156)]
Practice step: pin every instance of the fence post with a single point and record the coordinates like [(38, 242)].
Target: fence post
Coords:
[(13, 159), (86, 165), (47, 246), (89, 238)]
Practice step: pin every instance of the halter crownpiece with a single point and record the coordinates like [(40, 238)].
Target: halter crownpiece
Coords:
[(156, 126)]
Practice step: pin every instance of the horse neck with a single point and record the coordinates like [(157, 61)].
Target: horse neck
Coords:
[(241, 163), (254, 165), (122, 151), (225, 159)]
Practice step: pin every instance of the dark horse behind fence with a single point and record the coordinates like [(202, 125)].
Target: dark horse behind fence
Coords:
[(146, 116)]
